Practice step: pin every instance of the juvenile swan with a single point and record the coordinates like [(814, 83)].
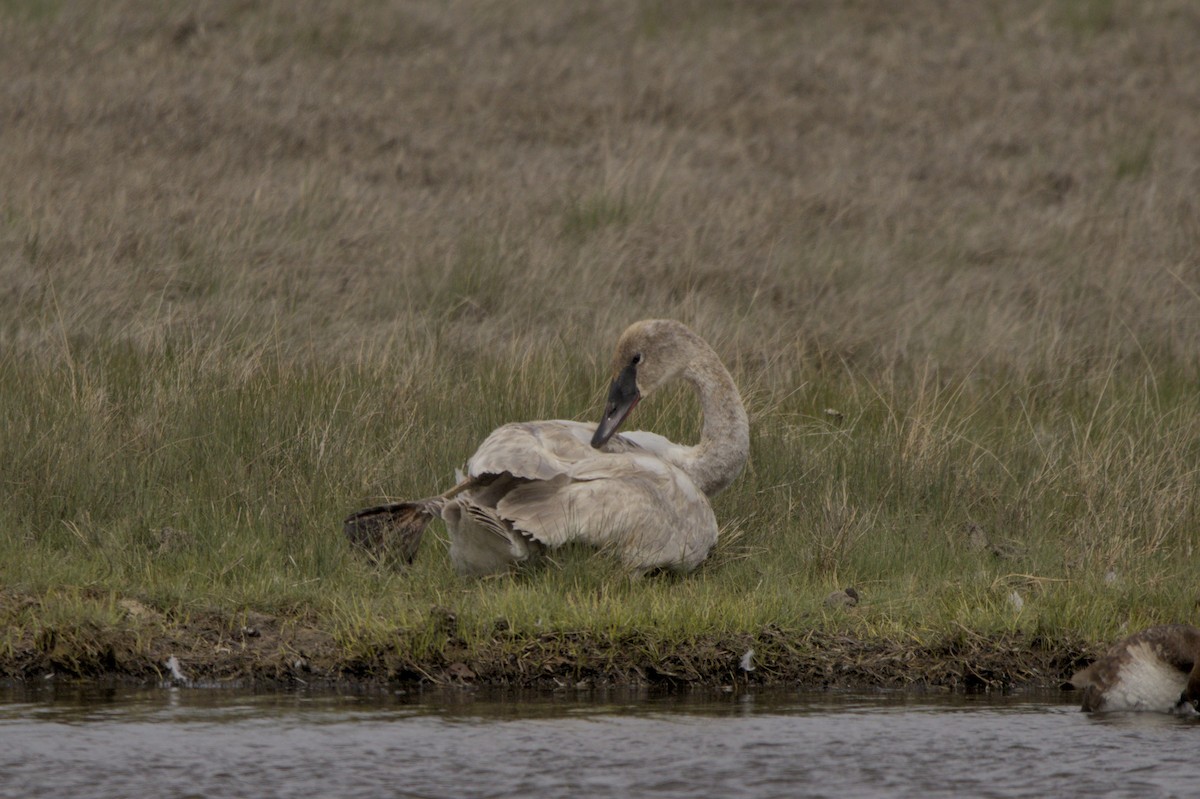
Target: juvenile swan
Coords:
[(1157, 669), (538, 485)]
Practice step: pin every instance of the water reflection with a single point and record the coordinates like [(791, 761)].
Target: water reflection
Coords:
[(83, 703), (63, 740)]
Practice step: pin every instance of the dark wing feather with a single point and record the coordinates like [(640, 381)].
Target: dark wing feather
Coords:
[(392, 529)]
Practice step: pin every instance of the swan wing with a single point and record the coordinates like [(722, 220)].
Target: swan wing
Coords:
[(650, 512), (544, 450), (653, 443), (532, 450)]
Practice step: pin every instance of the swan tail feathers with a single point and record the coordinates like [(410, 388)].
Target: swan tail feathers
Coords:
[(392, 530)]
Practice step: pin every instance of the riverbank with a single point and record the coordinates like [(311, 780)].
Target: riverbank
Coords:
[(209, 650)]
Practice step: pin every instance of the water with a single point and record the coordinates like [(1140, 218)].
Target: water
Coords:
[(207, 743)]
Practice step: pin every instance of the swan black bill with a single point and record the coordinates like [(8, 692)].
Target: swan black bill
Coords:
[(622, 396)]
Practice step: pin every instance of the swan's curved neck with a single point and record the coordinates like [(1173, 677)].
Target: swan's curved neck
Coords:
[(724, 443)]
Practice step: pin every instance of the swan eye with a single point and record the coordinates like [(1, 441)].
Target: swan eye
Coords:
[(637, 358)]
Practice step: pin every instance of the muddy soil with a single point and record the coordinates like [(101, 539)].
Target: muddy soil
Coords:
[(254, 648)]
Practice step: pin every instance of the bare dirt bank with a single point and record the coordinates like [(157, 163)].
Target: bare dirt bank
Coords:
[(210, 650)]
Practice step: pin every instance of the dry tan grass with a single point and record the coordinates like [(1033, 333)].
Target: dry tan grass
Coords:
[(1007, 186)]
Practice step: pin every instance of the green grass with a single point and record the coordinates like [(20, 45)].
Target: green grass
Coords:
[(200, 479), (30, 10), (261, 266), (1086, 18)]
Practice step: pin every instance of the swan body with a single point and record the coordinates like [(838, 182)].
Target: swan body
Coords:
[(533, 486), (542, 485), (1157, 669)]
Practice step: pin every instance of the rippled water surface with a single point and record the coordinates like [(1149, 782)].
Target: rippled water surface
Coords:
[(207, 743)]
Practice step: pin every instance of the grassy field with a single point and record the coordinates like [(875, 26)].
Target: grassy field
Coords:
[(262, 264)]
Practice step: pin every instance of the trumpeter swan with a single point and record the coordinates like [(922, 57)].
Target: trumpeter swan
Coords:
[(538, 485)]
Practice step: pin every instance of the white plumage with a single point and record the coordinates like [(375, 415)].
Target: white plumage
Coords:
[(533, 486)]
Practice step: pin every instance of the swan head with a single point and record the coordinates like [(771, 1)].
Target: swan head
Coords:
[(649, 354)]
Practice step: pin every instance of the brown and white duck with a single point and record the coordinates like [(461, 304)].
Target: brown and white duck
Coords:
[(1157, 669)]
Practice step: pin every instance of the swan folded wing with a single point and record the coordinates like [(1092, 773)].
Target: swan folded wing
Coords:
[(543, 450), (648, 511), (653, 443), (532, 450)]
